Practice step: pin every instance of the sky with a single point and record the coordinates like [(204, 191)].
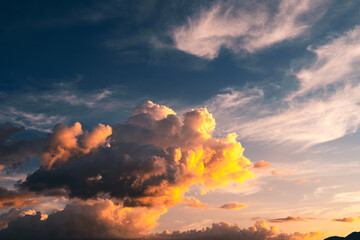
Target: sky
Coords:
[(177, 119)]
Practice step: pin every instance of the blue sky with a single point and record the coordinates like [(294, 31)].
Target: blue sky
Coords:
[(282, 75)]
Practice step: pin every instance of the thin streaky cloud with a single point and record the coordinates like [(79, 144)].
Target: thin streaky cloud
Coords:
[(321, 117), (240, 29), (336, 61)]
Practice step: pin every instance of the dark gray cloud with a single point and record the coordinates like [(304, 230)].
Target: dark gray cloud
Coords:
[(81, 221), (13, 214), (12, 198), (16, 150)]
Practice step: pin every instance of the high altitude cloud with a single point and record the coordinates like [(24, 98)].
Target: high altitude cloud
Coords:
[(145, 164), (327, 98), (336, 61), (249, 27)]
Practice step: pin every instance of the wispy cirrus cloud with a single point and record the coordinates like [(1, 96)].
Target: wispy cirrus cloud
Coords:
[(30, 120), (336, 61), (250, 27), (324, 108)]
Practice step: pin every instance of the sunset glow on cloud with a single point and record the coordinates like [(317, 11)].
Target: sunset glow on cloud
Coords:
[(180, 120)]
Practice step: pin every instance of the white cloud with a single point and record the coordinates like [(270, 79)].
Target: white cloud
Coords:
[(36, 121), (307, 119), (337, 61), (73, 99), (249, 28)]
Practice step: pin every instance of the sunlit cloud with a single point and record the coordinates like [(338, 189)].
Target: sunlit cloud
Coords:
[(346, 219), (233, 206), (223, 230), (13, 214), (142, 166), (289, 219), (11, 198), (193, 202), (251, 29), (261, 164)]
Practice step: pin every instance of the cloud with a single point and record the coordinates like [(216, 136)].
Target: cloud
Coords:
[(233, 206), (223, 230), (71, 98), (66, 142), (327, 98), (14, 150), (280, 172), (154, 158), (195, 203), (336, 61), (261, 164), (100, 220), (141, 166), (288, 219), (346, 219), (250, 27), (13, 214), (35, 121), (11, 198)]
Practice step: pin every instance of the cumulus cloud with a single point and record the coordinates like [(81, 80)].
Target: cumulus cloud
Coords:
[(289, 219), (249, 27), (100, 220), (145, 165), (66, 142), (13, 214), (233, 206), (223, 230)]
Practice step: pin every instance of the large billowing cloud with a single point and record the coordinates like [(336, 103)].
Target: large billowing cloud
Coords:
[(250, 27), (100, 220), (127, 175), (13, 214)]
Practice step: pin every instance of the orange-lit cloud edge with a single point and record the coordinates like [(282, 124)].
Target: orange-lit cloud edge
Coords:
[(192, 154)]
